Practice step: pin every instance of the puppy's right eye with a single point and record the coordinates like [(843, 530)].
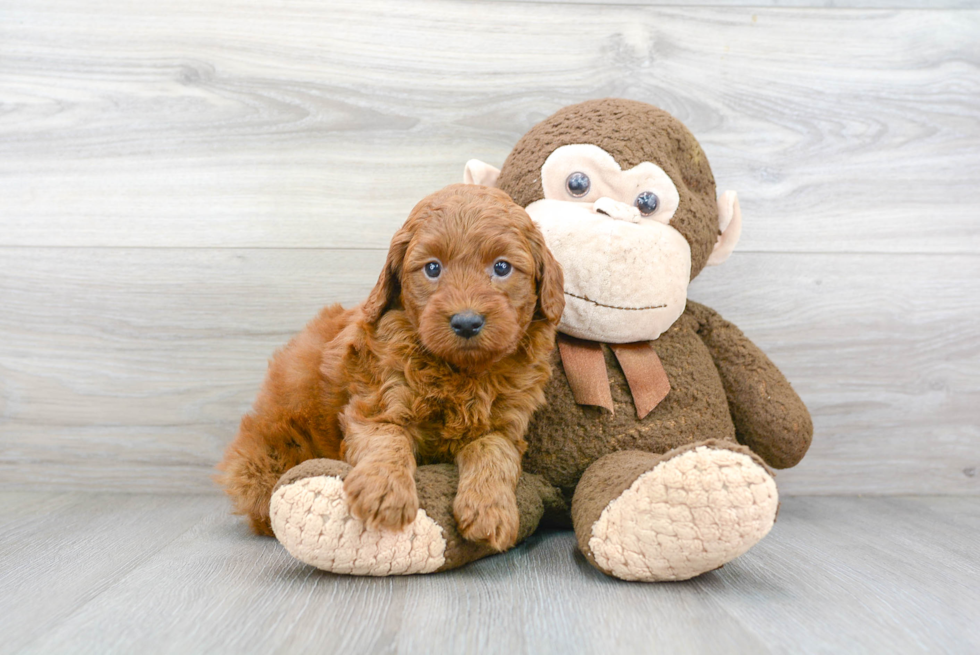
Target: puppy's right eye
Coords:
[(432, 270)]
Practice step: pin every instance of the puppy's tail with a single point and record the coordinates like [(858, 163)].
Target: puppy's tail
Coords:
[(251, 468)]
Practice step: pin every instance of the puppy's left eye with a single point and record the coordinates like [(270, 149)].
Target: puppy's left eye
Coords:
[(502, 268), (432, 270)]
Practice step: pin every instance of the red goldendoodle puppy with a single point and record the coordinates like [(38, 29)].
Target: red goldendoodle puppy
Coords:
[(445, 362)]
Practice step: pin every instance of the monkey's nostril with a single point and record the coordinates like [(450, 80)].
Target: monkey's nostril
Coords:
[(466, 324), (618, 211)]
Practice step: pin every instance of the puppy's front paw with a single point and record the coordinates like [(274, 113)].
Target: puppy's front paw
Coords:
[(491, 520), (382, 497)]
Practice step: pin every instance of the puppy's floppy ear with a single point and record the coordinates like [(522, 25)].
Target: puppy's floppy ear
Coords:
[(388, 287), (549, 277)]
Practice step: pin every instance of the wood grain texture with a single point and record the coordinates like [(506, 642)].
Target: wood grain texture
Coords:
[(130, 368), (58, 552), (320, 124), (183, 185), (896, 575)]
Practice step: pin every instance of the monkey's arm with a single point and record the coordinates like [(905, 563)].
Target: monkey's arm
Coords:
[(769, 416)]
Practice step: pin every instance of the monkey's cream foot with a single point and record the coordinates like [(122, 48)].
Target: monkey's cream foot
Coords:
[(311, 518), (649, 517)]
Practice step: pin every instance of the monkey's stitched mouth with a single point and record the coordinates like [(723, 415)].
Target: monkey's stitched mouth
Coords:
[(628, 309)]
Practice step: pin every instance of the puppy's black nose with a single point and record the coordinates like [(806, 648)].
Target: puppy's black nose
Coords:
[(466, 324)]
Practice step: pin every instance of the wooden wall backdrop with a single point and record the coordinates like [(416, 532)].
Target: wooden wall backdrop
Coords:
[(183, 184)]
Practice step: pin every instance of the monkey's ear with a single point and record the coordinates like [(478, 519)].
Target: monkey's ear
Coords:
[(730, 224), (478, 172), (550, 279), (388, 287)]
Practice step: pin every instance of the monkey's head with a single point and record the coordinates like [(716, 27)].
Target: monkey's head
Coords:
[(626, 200)]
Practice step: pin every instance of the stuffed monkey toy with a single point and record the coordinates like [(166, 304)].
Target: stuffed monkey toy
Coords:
[(662, 419)]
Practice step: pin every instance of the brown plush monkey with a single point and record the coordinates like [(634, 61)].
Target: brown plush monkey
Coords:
[(662, 417)]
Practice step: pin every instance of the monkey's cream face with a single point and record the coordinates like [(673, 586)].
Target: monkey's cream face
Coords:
[(626, 269)]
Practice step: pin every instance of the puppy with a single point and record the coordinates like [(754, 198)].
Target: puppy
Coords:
[(445, 362)]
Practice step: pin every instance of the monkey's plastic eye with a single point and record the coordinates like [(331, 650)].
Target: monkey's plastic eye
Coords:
[(502, 268), (578, 184), (647, 202), (432, 270)]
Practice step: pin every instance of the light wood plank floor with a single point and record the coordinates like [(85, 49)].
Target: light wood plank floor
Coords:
[(108, 573)]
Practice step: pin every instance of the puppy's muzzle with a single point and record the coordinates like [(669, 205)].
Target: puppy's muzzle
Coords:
[(467, 324)]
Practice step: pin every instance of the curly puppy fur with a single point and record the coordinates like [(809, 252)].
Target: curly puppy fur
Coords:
[(390, 384)]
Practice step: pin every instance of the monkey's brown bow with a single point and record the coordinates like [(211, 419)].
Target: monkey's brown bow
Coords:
[(585, 368)]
